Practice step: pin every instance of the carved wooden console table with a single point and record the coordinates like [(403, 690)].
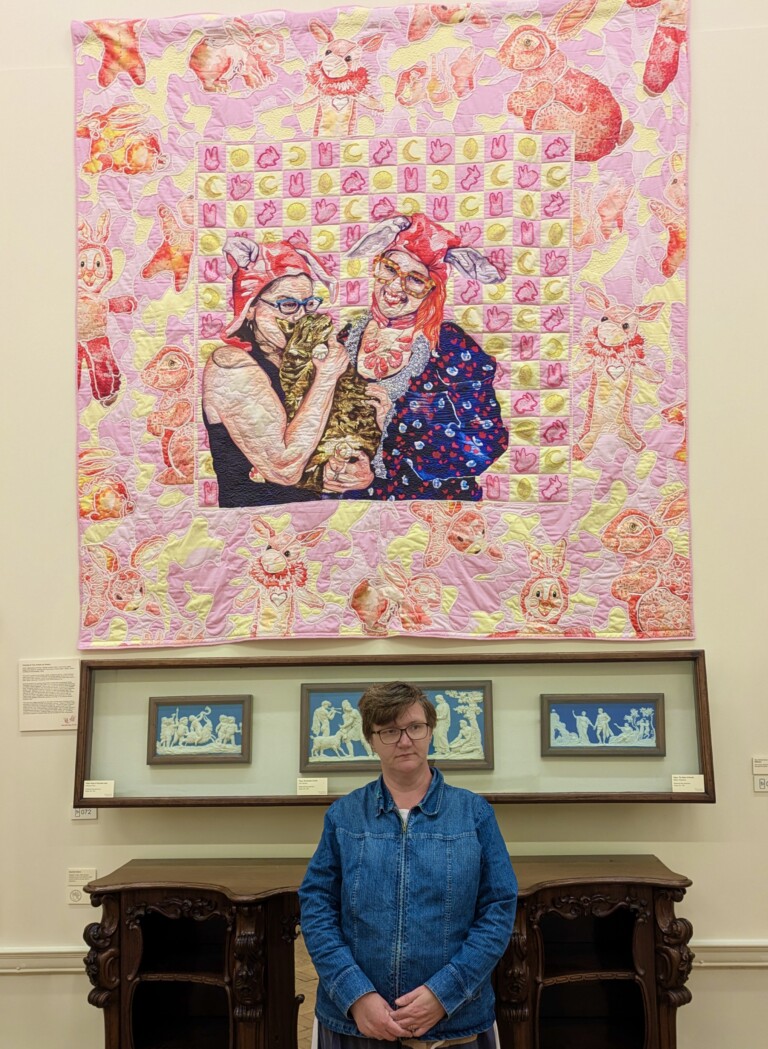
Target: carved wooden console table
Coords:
[(198, 954), (598, 959)]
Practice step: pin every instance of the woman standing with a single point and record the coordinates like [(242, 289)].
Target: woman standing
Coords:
[(243, 401), (432, 383), (409, 900)]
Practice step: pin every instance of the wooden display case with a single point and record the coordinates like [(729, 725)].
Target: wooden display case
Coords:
[(115, 696)]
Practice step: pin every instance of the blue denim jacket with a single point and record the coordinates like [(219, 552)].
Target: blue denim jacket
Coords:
[(387, 907)]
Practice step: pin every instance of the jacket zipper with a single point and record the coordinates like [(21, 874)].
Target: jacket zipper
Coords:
[(400, 906)]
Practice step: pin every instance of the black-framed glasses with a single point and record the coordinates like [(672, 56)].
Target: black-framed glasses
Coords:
[(390, 736), (289, 306), (385, 271)]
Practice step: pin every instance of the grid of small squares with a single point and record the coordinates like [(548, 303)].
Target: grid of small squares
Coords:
[(506, 194)]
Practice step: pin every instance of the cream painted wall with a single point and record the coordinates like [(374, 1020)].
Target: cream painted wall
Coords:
[(723, 848)]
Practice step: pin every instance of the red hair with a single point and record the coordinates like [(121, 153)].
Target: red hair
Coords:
[(429, 315)]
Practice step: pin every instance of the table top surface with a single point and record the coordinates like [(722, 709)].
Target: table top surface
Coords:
[(248, 878)]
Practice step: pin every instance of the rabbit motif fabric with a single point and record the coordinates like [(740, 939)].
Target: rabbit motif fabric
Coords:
[(481, 210)]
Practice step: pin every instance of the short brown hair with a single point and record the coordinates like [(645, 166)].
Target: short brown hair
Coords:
[(382, 704)]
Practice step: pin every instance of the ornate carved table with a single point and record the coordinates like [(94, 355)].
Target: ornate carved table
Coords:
[(198, 954), (598, 959)]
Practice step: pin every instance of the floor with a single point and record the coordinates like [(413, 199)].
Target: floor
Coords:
[(306, 982)]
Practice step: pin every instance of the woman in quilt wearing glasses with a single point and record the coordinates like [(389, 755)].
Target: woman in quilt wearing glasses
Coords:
[(443, 425), (243, 401), (409, 900)]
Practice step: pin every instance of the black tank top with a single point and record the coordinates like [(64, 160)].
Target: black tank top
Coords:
[(233, 468)]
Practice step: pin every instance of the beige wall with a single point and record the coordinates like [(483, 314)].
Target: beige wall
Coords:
[(723, 848)]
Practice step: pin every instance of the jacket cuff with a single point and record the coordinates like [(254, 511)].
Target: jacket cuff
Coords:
[(447, 987), (351, 985)]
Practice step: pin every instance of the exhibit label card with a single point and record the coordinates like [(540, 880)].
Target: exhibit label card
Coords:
[(692, 784), (99, 788), (48, 694), (312, 785)]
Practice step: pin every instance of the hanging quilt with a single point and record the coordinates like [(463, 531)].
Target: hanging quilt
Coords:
[(382, 323)]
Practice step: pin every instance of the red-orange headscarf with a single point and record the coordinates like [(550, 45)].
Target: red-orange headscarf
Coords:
[(258, 265), (428, 242)]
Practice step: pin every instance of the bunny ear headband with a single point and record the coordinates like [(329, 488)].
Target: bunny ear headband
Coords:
[(258, 265), (433, 245)]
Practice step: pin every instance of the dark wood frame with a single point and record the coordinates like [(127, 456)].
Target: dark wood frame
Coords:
[(88, 668), (603, 750), (486, 762), (190, 758)]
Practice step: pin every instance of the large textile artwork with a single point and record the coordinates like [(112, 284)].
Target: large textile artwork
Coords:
[(382, 323)]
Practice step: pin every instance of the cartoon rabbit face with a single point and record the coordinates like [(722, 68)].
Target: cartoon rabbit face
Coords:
[(632, 532), (617, 325), (544, 599), (282, 548), (94, 268), (340, 57), (527, 48)]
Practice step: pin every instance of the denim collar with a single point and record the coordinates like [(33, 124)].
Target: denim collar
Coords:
[(429, 804)]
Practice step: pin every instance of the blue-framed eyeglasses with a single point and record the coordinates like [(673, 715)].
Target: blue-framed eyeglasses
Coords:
[(289, 306)]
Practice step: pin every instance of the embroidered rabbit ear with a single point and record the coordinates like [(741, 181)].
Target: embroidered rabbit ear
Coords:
[(379, 237), (473, 264), (242, 251), (318, 271)]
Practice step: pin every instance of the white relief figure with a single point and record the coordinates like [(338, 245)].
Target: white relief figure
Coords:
[(628, 733), (583, 725), (227, 729), (322, 718), (603, 729), (200, 728), (167, 731), (463, 737), (181, 733), (351, 730), (441, 729), (467, 742), (650, 733), (557, 728)]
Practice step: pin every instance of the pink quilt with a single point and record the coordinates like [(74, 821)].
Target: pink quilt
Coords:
[(382, 323)]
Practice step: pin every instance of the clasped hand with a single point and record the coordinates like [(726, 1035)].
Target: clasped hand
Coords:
[(415, 1013)]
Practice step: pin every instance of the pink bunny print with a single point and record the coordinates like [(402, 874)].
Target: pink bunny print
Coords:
[(613, 351), (94, 274), (551, 96), (655, 580), (277, 574), (454, 528), (392, 592), (338, 82)]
